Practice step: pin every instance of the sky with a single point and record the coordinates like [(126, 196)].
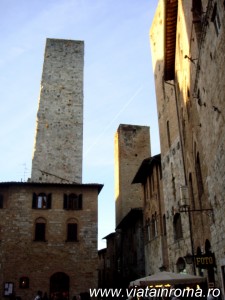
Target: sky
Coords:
[(118, 82)]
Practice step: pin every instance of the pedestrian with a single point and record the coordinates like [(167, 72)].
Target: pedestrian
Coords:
[(38, 296), (45, 297), (210, 296)]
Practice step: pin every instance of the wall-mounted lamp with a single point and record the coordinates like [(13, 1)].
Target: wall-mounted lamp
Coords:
[(191, 59), (188, 258)]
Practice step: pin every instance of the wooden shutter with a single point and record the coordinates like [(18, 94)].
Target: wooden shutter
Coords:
[(80, 202), (1, 201), (34, 201), (65, 201), (49, 201)]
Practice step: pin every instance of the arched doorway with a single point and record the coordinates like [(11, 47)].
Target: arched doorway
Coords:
[(59, 286)]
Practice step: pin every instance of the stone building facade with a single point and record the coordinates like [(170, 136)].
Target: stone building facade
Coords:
[(149, 175), (130, 250), (132, 145), (49, 224), (188, 50), (48, 238), (109, 275), (59, 129)]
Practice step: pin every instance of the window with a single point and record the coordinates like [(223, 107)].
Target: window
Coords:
[(168, 133), (154, 226), (72, 231), (42, 201), (216, 19), (199, 177), (197, 18), (191, 192), (72, 202), (1, 201), (177, 226), (24, 283), (40, 227), (164, 224), (148, 230)]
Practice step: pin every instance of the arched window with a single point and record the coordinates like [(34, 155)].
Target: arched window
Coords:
[(72, 231), (207, 246), (168, 133), (72, 202), (40, 228), (148, 230), (197, 18), (191, 192), (42, 201), (177, 226), (153, 226), (164, 224), (216, 19), (156, 227), (199, 177)]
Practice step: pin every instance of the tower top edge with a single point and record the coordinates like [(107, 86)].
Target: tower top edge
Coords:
[(132, 126), (64, 41)]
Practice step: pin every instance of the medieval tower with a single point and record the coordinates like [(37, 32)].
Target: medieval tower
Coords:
[(58, 146), (51, 245), (132, 145)]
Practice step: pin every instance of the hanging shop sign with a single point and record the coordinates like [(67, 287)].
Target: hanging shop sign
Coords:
[(205, 261)]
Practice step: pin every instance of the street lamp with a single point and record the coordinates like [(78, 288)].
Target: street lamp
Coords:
[(184, 207)]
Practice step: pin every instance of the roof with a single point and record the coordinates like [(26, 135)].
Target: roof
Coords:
[(146, 167), (109, 236), (170, 38), (30, 183), (133, 215), (102, 251)]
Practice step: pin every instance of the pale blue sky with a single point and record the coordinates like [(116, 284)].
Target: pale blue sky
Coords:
[(118, 81)]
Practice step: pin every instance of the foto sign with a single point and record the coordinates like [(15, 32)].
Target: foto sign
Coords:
[(205, 261)]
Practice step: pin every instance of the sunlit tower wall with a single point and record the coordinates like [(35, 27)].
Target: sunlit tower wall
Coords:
[(131, 147), (58, 149)]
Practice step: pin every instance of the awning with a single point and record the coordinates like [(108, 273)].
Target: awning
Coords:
[(167, 278)]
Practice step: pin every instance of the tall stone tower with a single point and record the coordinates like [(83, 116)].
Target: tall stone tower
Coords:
[(132, 146), (58, 146)]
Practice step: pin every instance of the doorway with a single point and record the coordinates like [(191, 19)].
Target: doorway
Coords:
[(59, 286)]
